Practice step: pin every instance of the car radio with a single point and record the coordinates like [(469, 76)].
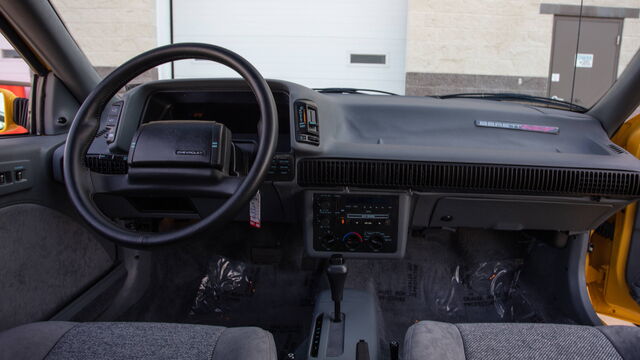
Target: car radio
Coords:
[(355, 223)]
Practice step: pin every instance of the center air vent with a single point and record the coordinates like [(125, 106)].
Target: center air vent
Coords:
[(425, 176), (107, 164)]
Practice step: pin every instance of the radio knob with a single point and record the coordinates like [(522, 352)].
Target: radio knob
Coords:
[(326, 204), (376, 241), (325, 221), (352, 240), (328, 240)]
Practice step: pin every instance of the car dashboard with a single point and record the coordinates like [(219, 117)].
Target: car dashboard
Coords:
[(360, 171)]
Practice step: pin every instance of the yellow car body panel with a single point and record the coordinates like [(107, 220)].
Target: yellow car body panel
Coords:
[(607, 262), (8, 125)]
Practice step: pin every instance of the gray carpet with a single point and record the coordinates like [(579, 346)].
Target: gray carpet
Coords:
[(277, 299), (276, 293), (463, 277)]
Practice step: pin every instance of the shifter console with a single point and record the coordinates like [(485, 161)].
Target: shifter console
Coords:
[(366, 224)]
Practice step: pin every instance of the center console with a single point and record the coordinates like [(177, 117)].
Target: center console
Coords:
[(356, 224), (341, 340), (345, 321), (341, 224)]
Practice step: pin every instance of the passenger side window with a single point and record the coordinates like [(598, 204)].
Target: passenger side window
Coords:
[(15, 88)]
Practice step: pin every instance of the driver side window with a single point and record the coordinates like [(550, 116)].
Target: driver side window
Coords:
[(15, 88)]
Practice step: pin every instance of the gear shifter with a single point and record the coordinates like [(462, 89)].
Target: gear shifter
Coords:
[(337, 274)]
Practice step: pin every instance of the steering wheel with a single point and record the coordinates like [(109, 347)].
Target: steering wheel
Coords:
[(82, 184)]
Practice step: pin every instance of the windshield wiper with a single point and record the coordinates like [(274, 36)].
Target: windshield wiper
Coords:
[(516, 97), (352, 91)]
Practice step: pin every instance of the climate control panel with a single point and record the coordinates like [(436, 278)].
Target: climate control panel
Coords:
[(355, 223)]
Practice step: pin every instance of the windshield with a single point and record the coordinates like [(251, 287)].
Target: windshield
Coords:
[(570, 51)]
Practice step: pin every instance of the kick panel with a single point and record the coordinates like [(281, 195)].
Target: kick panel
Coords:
[(355, 223)]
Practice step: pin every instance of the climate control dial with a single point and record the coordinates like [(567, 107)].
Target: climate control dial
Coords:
[(352, 240), (328, 240), (376, 241)]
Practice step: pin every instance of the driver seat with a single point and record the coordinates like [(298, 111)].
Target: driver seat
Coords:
[(53, 340)]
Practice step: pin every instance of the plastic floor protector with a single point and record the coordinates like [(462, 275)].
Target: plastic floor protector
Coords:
[(217, 283), (234, 293), (461, 277)]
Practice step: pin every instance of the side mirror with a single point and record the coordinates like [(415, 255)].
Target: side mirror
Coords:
[(8, 103)]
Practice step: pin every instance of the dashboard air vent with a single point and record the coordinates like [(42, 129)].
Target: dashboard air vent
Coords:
[(107, 164), (427, 176), (616, 149)]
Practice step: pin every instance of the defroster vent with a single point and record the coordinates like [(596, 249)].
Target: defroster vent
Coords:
[(481, 178)]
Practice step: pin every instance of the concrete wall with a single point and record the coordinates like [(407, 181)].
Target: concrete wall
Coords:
[(110, 31), (494, 45)]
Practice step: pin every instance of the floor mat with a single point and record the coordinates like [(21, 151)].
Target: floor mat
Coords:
[(277, 290), (459, 277), (277, 299)]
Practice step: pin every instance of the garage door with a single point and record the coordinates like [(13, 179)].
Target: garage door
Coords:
[(329, 43)]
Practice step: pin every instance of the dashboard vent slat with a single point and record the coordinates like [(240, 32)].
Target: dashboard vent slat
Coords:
[(107, 164), (430, 176), (616, 149)]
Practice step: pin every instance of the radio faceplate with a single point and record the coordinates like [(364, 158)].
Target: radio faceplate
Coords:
[(355, 223)]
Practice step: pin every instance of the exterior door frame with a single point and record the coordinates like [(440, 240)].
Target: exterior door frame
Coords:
[(557, 17)]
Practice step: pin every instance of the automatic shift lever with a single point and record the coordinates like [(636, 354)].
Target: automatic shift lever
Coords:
[(337, 274)]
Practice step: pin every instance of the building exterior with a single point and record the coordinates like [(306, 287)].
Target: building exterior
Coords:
[(456, 46), (110, 32), (417, 47), (14, 69)]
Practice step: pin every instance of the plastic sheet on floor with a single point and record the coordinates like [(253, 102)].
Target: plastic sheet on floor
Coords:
[(491, 287), (276, 298), (223, 284)]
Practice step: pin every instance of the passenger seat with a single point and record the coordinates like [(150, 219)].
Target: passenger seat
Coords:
[(59, 340), (428, 340)]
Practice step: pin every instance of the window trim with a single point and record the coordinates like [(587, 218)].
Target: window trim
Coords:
[(25, 52), (40, 72)]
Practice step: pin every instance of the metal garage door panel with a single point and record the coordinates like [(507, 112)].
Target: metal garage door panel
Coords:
[(301, 41)]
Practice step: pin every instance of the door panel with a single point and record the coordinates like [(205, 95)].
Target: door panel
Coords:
[(48, 256), (614, 249), (47, 259), (633, 261)]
